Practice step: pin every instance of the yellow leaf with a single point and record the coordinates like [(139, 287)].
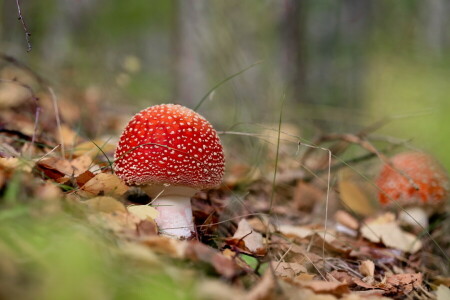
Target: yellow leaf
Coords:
[(107, 184), (105, 204), (354, 193), (144, 212)]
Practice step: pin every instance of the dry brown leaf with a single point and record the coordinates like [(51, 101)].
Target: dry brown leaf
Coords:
[(264, 289), (14, 164), (294, 292), (48, 191), (223, 265), (140, 253), (54, 167), (84, 177), (354, 192), (285, 269), (143, 212), (306, 231), (346, 219), (305, 277), (401, 283), (384, 230), (253, 240), (13, 94), (218, 290), (325, 287), (105, 204), (146, 228), (260, 225), (367, 268), (120, 223), (81, 164), (438, 280), (363, 284), (306, 196), (67, 136), (375, 294), (106, 184), (167, 246), (340, 276)]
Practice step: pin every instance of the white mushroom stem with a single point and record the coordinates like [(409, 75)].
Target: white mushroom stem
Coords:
[(175, 211)]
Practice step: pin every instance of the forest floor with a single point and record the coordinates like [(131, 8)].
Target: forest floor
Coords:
[(70, 228)]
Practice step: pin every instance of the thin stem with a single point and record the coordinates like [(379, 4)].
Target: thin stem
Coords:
[(25, 28)]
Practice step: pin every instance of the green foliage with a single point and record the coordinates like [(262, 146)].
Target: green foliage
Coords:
[(61, 258)]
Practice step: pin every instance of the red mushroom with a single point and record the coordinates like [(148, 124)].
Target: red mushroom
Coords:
[(172, 152), (417, 182)]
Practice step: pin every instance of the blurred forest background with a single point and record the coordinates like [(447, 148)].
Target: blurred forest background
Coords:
[(342, 64)]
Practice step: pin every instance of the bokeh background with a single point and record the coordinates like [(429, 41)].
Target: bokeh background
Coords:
[(338, 66), (341, 64)]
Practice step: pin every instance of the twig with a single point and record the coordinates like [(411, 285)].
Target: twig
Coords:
[(25, 28)]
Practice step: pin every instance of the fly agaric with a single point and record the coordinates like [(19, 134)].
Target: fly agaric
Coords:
[(171, 152), (417, 182)]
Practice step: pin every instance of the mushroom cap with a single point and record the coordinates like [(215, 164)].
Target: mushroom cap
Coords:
[(427, 174), (170, 144)]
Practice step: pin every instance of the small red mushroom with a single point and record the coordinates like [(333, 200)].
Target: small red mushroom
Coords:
[(171, 152), (417, 182)]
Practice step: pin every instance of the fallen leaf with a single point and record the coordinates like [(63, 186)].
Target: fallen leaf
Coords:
[(14, 164), (146, 228), (48, 191), (324, 287), (217, 290), (223, 265), (67, 136), (54, 167), (167, 246), (263, 289), (375, 294), (340, 276), (401, 283), (253, 240), (105, 204), (442, 293), (305, 231), (120, 223), (84, 177), (13, 94), (346, 219), (354, 192), (296, 231), (140, 253), (363, 284), (286, 269), (80, 164), (143, 212), (367, 268), (106, 184), (305, 276), (306, 196), (383, 230)]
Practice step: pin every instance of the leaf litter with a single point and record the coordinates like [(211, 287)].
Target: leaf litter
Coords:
[(241, 251)]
